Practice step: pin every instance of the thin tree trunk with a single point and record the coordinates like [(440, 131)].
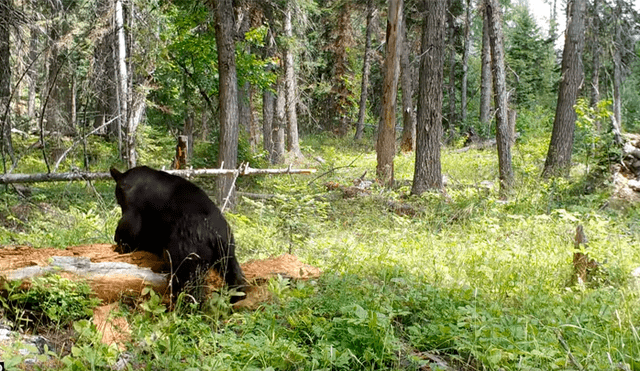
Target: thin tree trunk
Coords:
[(73, 102), (291, 86), (187, 131), (451, 27), (558, 160), (485, 74), (6, 145), (52, 109), (228, 100), (465, 62), (268, 109), (366, 66), (617, 71), (595, 46), (341, 92), (428, 170), (245, 119), (123, 85), (31, 74), (386, 145), (408, 142), (268, 99), (503, 137), (279, 123)]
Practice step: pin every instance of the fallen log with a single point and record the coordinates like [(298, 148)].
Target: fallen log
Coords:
[(188, 173), (112, 275)]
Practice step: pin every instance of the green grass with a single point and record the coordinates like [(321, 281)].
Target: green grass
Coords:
[(469, 277)]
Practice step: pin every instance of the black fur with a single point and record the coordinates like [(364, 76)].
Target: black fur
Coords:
[(173, 218)]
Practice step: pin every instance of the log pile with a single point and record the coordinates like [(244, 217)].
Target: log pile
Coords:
[(631, 160), (626, 177)]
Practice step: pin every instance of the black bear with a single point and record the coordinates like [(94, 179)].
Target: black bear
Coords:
[(173, 218)]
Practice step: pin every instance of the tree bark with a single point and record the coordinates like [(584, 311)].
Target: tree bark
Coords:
[(291, 86), (503, 137), (246, 116), (366, 66), (617, 70), (386, 145), (52, 107), (268, 109), (279, 124), (6, 145), (228, 100), (595, 47), (558, 160), (428, 171), (485, 74), (31, 74), (451, 87), (342, 73), (268, 101), (408, 142), (465, 63)]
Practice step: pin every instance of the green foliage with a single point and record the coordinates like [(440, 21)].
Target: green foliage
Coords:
[(89, 353), (50, 299), (531, 61), (594, 144)]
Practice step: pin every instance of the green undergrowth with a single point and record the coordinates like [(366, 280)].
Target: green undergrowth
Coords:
[(463, 276)]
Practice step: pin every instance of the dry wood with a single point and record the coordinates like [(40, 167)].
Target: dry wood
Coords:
[(80, 175), (180, 161), (583, 266)]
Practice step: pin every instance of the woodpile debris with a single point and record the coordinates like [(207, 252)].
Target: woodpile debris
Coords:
[(626, 177)]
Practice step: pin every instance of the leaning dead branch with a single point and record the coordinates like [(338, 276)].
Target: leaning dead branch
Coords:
[(244, 170)]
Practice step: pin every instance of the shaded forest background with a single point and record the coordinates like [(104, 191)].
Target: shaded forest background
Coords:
[(73, 72)]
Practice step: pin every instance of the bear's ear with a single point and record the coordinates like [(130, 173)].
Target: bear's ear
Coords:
[(115, 174)]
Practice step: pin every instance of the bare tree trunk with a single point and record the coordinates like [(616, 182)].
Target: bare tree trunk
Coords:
[(617, 73), (268, 109), (558, 160), (279, 123), (123, 86), (343, 40), (228, 99), (52, 108), (451, 117), (503, 137), (366, 66), (6, 145), (428, 170), (485, 74), (386, 145), (291, 87), (268, 102), (244, 106), (595, 46), (73, 102), (31, 74), (408, 142), (465, 62), (187, 131)]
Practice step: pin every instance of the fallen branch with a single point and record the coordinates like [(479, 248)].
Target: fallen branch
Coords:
[(80, 175)]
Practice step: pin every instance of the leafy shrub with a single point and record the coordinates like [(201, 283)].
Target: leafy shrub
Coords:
[(50, 299)]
